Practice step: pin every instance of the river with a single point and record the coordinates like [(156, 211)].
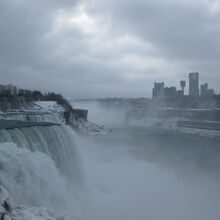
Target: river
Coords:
[(139, 173)]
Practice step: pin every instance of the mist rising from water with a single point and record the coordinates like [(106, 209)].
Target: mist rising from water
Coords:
[(126, 186), (110, 117)]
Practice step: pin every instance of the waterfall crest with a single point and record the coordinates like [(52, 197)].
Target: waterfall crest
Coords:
[(55, 117), (57, 142)]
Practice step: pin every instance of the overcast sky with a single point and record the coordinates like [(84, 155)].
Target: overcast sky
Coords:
[(99, 48)]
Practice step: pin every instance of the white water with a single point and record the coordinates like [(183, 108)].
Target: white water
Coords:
[(58, 142), (25, 174), (41, 166)]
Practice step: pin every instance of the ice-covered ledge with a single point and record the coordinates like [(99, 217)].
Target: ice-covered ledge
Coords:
[(12, 124)]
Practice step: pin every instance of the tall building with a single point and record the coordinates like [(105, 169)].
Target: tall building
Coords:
[(183, 85), (158, 90), (194, 84), (204, 89), (170, 92)]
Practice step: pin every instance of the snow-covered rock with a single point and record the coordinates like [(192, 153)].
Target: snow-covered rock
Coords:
[(26, 213), (89, 128), (33, 213), (5, 205)]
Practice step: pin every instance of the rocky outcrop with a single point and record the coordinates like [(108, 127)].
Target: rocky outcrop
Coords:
[(5, 205), (25, 213)]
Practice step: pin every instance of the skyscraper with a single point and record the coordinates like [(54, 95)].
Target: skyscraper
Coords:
[(204, 89), (194, 84), (158, 90), (183, 85)]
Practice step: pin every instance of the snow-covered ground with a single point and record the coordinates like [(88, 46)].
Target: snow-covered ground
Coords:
[(48, 106), (171, 124), (201, 132)]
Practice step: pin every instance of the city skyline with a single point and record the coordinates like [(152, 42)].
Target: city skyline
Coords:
[(195, 88)]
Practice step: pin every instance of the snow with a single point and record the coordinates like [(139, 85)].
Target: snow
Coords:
[(4, 196), (48, 106), (26, 213), (171, 124), (201, 132), (86, 127), (155, 122), (33, 213)]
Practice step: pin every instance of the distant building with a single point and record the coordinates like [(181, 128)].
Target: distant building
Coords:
[(183, 85), (210, 92), (194, 84), (179, 93), (205, 91), (170, 92), (158, 90)]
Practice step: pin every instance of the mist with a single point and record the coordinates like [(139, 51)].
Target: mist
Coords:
[(124, 187), (139, 173), (107, 116)]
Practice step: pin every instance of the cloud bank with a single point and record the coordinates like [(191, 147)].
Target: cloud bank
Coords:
[(97, 48)]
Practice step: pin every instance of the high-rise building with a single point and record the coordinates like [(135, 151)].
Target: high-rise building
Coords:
[(170, 92), (204, 89), (183, 85), (194, 84), (158, 90)]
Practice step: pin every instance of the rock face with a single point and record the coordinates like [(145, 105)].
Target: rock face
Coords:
[(24, 213), (81, 114), (5, 205)]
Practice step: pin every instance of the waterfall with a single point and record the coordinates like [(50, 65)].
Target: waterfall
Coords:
[(27, 176), (57, 142), (41, 166)]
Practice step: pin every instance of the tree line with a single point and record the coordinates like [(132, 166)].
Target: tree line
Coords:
[(24, 98)]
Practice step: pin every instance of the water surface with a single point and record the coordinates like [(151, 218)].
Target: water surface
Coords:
[(141, 173)]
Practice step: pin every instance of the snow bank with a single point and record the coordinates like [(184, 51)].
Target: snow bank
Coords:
[(48, 106)]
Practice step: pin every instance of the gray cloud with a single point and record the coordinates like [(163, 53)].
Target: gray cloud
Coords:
[(97, 48), (182, 31)]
